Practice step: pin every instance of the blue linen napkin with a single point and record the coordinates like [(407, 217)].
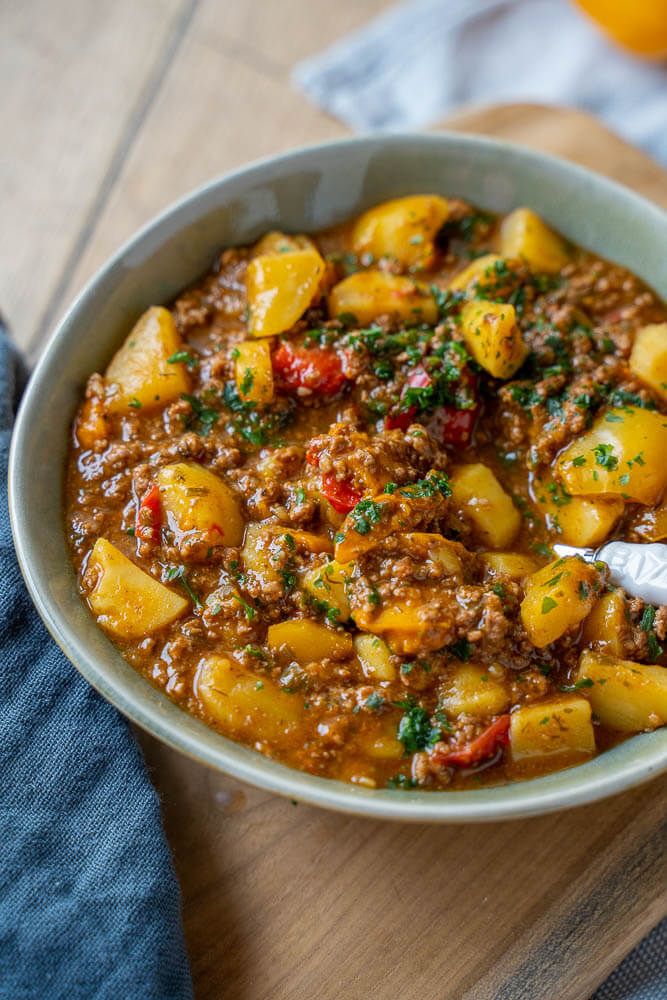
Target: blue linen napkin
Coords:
[(415, 62), (89, 901)]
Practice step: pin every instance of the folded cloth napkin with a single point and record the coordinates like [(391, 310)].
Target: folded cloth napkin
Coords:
[(412, 64), (89, 901)]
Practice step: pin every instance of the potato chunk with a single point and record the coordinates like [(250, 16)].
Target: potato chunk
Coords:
[(195, 499), (125, 599), (558, 597), (481, 499), (246, 704), (277, 242), (492, 336), (581, 521), (605, 625), (475, 272), (253, 372), (403, 229), (139, 374), (381, 742), (551, 734), (280, 288), (623, 454), (629, 697), (474, 690), (369, 294), (327, 585), (309, 641), (513, 564), (524, 234), (375, 658), (648, 360)]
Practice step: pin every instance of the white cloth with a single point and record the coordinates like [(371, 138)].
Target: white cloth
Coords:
[(412, 64)]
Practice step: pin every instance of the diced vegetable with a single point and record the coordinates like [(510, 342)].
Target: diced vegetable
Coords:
[(375, 658), (652, 523), (483, 501), (474, 690), (483, 746), (403, 229), (340, 493), (475, 271), (524, 234), (626, 696), (403, 625), (369, 294), (140, 374), (623, 454), (581, 521), (280, 287), (308, 641), (558, 597), (253, 371), (277, 242), (327, 584), (90, 425), (149, 516), (493, 337), (514, 564), (437, 549), (380, 741), (124, 598), (247, 704), (605, 625), (554, 734), (316, 368), (448, 424), (195, 499), (648, 360)]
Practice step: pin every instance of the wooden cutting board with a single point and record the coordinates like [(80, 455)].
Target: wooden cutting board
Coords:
[(284, 901), (114, 111)]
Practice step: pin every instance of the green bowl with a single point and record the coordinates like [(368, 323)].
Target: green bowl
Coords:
[(301, 191)]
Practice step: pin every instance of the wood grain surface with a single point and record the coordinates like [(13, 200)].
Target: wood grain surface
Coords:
[(113, 111)]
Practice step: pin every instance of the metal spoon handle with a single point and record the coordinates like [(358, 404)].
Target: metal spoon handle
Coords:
[(640, 569)]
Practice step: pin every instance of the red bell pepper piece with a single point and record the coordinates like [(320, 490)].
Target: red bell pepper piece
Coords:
[(340, 493), (149, 516), (401, 419), (316, 368), (485, 745)]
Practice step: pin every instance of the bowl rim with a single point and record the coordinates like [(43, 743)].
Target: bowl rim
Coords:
[(520, 799)]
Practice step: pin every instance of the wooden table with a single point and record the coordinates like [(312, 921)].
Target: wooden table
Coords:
[(109, 112)]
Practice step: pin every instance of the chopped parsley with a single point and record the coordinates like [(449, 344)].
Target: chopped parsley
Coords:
[(548, 604), (434, 484), (461, 649), (178, 573), (203, 418), (415, 730), (366, 513)]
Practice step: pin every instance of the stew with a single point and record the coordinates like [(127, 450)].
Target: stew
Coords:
[(314, 498)]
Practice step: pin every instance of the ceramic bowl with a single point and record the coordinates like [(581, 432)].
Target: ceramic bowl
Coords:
[(301, 191)]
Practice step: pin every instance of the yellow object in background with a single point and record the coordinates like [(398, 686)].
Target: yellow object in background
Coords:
[(640, 26)]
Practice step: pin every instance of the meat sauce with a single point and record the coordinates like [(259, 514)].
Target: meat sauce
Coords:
[(313, 499)]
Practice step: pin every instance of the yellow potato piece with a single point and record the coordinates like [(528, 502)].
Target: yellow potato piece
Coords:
[(493, 337), (375, 658), (623, 455), (524, 234), (648, 360), (247, 704), (558, 597), (403, 229), (280, 287), (513, 564), (482, 500), (403, 625), (309, 641), (626, 696), (381, 741), (604, 627), (581, 521), (253, 372), (369, 294), (473, 690), (195, 499), (125, 599), (475, 272), (556, 733), (327, 584), (277, 242), (139, 374)]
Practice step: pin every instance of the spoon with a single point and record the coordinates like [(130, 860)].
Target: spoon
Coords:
[(640, 569)]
